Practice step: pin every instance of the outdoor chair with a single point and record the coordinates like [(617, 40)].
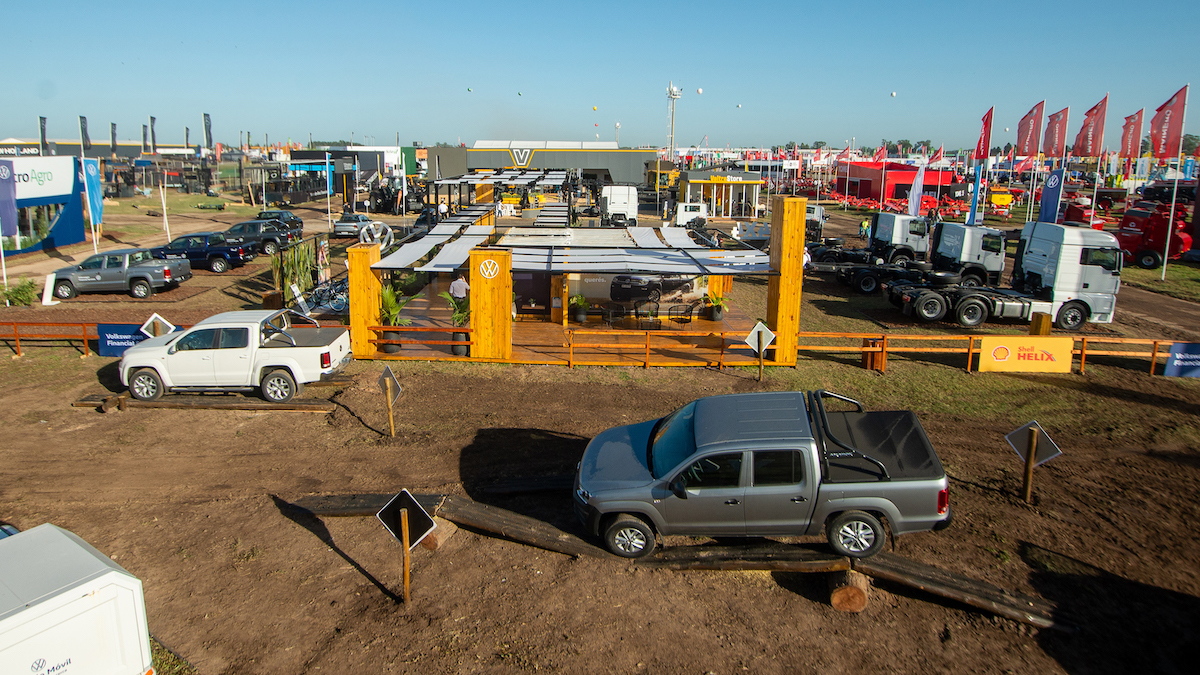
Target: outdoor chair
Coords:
[(647, 315), (681, 314), (613, 313)]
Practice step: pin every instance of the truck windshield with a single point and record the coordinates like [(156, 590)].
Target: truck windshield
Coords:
[(673, 440)]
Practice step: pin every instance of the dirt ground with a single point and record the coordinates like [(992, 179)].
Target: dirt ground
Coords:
[(194, 503)]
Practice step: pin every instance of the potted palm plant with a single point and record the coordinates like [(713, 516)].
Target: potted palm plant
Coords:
[(460, 315), (390, 305), (716, 307), (579, 307)]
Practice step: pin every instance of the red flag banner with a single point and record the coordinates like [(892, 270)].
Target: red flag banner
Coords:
[(1166, 128), (818, 156), (1090, 139), (937, 156), (983, 147), (1056, 133), (1029, 131), (1025, 165), (1131, 135), (880, 154), (844, 154)]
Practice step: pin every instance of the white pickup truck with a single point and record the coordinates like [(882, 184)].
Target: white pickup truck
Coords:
[(273, 351)]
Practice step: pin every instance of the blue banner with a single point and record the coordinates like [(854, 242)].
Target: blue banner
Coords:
[(328, 177), (1051, 195), (115, 338), (1184, 360), (8, 200), (975, 195), (1189, 168), (95, 190)]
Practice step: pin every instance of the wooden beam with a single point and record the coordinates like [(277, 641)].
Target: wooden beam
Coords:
[(365, 288), (772, 557), (978, 594), (788, 216)]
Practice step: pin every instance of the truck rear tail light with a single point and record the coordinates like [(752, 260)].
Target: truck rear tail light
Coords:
[(943, 500), (325, 364), (166, 274)]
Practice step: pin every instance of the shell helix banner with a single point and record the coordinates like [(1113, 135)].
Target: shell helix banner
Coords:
[(1017, 354)]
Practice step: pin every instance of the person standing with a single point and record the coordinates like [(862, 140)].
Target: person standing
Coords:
[(443, 211), (459, 287), (864, 228)]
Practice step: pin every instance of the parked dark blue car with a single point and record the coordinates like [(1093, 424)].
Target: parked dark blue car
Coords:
[(208, 250)]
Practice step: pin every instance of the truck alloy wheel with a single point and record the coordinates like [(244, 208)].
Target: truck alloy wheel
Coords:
[(270, 248), (140, 289), (64, 290), (278, 386), (970, 312), (145, 385), (856, 534), (1072, 316), (218, 265), (629, 537)]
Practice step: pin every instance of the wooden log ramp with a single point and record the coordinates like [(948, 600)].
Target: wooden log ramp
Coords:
[(973, 592), (105, 403), (771, 557)]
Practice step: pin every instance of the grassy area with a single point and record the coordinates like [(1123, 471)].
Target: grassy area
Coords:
[(177, 202), (167, 663), (1183, 280)]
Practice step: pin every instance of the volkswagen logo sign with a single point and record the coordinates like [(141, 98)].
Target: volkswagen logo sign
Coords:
[(1052, 181), (489, 269), (91, 169), (37, 665), (5, 172)]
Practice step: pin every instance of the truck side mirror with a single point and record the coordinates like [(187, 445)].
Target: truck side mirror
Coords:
[(677, 488)]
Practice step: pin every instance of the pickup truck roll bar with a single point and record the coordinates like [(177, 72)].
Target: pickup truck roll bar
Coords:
[(824, 433)]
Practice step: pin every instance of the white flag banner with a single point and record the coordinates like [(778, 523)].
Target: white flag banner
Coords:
[(915, 192)]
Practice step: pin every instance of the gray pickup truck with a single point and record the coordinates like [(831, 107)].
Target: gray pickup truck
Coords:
[(132, 269), (763, 464)]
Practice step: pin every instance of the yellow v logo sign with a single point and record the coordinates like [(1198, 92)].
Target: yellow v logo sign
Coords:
[(521, 156)]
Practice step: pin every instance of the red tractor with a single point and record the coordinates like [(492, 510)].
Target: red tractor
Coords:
[(1143, 235)]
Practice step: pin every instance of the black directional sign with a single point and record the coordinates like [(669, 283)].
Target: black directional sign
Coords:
[(420, 524)]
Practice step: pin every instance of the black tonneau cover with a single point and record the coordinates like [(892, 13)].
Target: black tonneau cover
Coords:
[(881, 445)]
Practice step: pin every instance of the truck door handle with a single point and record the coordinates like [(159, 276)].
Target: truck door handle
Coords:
[(799, 499), (732, 502)]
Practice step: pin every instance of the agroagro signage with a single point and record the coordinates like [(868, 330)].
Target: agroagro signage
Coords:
[(41, 177)]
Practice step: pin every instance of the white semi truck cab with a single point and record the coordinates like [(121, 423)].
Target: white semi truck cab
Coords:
[(618, 203)]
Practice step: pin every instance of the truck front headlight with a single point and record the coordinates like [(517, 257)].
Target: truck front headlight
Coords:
[(583, 495)]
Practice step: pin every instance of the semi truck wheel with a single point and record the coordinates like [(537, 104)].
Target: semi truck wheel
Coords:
[(1072, 316), (856, 534), (901, 258), (930, 306), (1149, 260), (828, 258), (941, 278), (866, 282), (971, 281), (629, 537), (971, 312)]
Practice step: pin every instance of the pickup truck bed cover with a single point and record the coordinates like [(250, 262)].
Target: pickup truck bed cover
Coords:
[(893, 437), (306, 336)]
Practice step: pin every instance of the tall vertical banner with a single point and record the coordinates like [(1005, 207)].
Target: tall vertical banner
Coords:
[(43, 146), (1166, 128), (153, 138), (915, 192), (145, 140), (1029, 131), (1090, 140), (8, 199), (984, 147), (208, 141), (84, 140), (1131, 135), (112, 138), (1051, 195), (975, 195), (1055, 143), (94, 189), (187, 137)]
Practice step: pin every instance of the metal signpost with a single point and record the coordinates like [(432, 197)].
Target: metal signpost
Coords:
[(391, 389), (759, 339), (1034, 446), (404, 518)]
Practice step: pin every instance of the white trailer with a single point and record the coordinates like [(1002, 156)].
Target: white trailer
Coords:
[(617, 203), (67, 608)]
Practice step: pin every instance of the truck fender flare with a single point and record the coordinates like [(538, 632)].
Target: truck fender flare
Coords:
[(881, 508), (156, 366), (287, 364), (652, 517), (139, 277)]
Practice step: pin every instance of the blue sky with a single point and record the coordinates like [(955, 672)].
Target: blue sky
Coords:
[(801, 71)]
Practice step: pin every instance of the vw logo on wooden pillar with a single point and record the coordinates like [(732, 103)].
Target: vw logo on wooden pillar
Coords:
[(491, 303)]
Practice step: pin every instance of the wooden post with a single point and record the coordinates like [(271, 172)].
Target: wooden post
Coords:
[(391, 418), (849, 591), (760, 356), (1027, 488), (1040, 324), (787, 258), (404, 541), (365, 289), (491, 302)]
